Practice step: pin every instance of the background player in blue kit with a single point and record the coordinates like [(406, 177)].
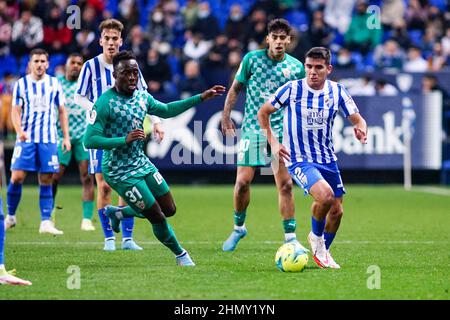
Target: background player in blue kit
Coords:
[(310, 106), (38, 100)]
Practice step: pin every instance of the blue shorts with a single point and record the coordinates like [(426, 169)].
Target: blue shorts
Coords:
[(306, 174), (30, 156), (95, 161)]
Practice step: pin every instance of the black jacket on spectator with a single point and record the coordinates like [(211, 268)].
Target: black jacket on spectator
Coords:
[(208, 26)]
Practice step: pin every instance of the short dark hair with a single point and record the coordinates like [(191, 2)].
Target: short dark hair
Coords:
[(279, 24), (38, 51), (431, 77), (415, 47), (111, 24), (121, 56), (75, 54), (319, 53)]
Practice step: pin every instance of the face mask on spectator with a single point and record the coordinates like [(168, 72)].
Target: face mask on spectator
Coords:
[(158, 17), (203, 14), (343, 59), (236, 17)]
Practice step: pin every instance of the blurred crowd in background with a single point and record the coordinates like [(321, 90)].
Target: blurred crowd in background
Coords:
[(186, 45)]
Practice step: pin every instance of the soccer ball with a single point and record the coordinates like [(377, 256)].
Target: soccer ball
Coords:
[(291, 258)]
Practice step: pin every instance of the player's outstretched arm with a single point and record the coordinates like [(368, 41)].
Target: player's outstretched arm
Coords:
[(213, 92), (264, 121), (172, 109), (227, 125), (359, 127)]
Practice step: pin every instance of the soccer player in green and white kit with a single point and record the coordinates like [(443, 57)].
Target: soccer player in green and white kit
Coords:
[(77, 128), (262, 72), (116, 127)]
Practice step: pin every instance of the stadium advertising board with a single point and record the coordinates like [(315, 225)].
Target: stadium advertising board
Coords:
[(193, 139)]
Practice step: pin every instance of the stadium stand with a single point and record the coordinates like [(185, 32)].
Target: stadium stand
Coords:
[(418, 23)]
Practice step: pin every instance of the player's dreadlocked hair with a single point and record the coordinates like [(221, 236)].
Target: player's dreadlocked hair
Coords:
[(319, 53), (123, 55), (279, 25)]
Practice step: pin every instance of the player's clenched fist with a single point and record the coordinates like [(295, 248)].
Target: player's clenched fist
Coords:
[(137, 134), (361, 135), (213, 92)]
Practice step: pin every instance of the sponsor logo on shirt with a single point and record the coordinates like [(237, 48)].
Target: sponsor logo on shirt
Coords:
[(315, 118)]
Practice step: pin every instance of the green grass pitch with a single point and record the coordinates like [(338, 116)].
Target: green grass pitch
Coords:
[(404, 234)]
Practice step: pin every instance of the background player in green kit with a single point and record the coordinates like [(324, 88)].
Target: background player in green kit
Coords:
[(77, 128), (262, 72), (116, 127)]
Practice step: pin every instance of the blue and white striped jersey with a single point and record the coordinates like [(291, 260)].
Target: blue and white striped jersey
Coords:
[(40, 102), (308, 118), (96, 77)]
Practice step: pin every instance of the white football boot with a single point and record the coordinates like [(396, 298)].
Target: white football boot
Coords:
[(318, 250), (86, 225), (9, 278), (10, 222), (48, 226), (331, 263), (185, 260)]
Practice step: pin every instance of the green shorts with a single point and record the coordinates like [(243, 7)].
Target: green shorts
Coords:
[(140, 193), (254, 150), (78, 150)]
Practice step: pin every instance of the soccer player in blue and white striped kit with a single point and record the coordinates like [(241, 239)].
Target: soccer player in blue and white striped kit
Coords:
[(310, 106), (96, 77), (38, 100)]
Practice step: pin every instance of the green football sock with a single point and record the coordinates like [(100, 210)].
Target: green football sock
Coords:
[(239, 218), (88, 209), (289, 225), (165, 234)]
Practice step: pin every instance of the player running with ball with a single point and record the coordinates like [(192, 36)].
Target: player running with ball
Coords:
[(310, 106)]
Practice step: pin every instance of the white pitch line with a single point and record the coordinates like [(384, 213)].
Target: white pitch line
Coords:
[(352, 242), (433, 190)]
